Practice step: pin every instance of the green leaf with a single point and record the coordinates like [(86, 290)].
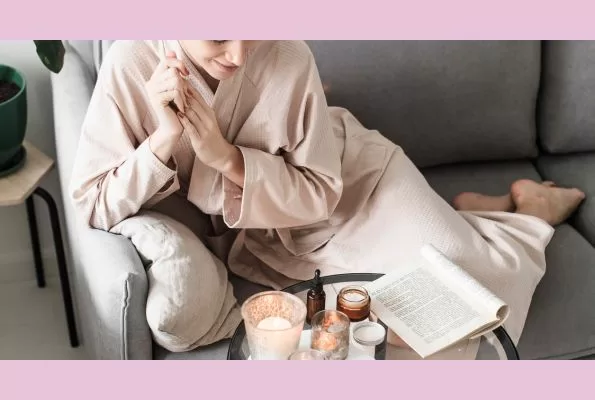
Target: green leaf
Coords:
[(51, 54)]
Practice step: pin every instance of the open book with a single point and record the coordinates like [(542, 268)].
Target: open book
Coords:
[(436, 304)]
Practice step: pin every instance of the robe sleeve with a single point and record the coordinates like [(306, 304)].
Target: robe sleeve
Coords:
[(302, 184), (115, 171)]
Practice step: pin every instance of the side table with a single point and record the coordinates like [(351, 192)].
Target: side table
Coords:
[(20, 187)]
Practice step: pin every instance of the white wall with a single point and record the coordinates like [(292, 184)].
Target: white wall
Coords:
[(16, 258)]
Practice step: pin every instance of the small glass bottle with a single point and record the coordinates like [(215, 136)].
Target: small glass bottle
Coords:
[(316, 298), (354, 301)]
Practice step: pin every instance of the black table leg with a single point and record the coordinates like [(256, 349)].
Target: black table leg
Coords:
[(35, 242), (509, 348), (60, 255)]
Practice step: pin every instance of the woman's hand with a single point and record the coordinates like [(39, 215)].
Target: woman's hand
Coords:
[(207, 141), (167, 86)]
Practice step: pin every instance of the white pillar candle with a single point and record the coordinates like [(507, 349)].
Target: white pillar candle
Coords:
[(274, 324), (276, 339)]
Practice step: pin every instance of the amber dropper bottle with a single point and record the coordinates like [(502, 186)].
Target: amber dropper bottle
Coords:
[(316, 299)]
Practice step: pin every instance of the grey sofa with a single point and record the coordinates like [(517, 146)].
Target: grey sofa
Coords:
[(472, 115)]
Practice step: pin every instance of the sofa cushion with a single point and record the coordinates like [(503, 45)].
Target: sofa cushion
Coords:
[(190, 302), (218, 351), (575, 171), (443, 102), (566, 117), (560, 323)]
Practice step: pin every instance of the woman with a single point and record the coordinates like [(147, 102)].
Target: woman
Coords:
[(242, 130)]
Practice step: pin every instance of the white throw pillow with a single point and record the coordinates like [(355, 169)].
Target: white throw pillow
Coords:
[(190, 301)]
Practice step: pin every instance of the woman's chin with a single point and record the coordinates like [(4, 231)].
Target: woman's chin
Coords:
[(222, 77), (220, 72)]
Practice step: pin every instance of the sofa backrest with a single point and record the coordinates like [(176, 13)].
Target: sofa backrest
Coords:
[(91, 52), (443, 101), (567, 98)]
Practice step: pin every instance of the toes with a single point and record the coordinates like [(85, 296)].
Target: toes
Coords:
[(580, 194), (574, 192), (526, 191), (518, 188), (519, 185)]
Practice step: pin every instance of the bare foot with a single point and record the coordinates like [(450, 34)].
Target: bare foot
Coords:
[(470, 201), (548, 202)]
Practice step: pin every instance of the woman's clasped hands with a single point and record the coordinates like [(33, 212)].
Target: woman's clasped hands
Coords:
[(181, 109)]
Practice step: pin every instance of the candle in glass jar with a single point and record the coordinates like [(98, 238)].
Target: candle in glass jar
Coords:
[(274, 321), (330, 334), (354, 301)]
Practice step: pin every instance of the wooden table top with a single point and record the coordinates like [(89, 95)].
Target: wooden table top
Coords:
[(17, 187)]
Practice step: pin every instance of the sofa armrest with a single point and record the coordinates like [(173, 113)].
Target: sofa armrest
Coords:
[(109, 281), (113, 288)]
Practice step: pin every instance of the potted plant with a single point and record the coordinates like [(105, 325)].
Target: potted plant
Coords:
[(13, 104)]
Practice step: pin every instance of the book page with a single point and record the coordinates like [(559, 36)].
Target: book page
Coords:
[(427, 312), (474, 291)]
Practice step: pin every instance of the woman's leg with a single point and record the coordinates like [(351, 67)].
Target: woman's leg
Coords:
[(504, 251), (543, 200), (471, 201)]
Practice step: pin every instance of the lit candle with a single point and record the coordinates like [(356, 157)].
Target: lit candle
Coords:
[(274, 321), (330, 334), (278, 338), (324, 341), (274, 324)]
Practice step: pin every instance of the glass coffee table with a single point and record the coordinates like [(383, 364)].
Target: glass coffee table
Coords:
[(495, 345)]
